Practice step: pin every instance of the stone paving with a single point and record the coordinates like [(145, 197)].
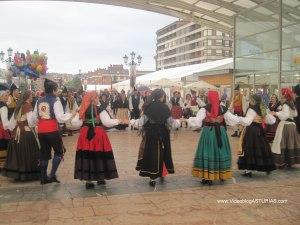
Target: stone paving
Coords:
[(130, 200)]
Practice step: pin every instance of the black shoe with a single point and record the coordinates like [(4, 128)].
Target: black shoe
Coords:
[(101, 182), (54, 179), (162, 179), (235, 134), (152, 183), (282, 166), (89, 185), (203, 181), (247, 174), (46, 181)]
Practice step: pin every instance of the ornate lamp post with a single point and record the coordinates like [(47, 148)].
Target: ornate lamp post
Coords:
[(9, 60), (132, 67)]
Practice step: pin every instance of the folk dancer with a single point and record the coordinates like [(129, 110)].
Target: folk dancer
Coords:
[(12, 100), (274, 106), (5, 124), (255, 153), (155, 157), (237, 105), (286, 144), (49, 112), (213, 155), (135, 105), (22, 161), (94, 156)]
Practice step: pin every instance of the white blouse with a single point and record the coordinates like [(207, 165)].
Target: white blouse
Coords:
[(104, 117), (230, 119), (286, 113), (6, 123), (248, 119)]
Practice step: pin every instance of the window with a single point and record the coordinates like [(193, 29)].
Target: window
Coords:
[(219, 42), (219, 33), (209, 32), (207, 52), (226, 53), (205, 33), (209, 42), (219, 52), (226, 43)]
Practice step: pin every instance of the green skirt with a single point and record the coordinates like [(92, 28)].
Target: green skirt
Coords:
[(211, 161)]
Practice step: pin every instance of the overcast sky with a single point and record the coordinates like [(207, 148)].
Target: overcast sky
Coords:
[(80, 35)]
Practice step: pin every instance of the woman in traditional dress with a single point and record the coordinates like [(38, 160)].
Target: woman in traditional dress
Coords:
[(286, 144), (213, 155), (187, 112), (123, 111), (255, 150), (71, 107), (274, 106), (22, 161), (94, 156), (155, 159), (177, 104), (12, 99), (5, 124)]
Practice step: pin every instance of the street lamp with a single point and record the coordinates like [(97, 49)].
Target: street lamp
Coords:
[(132, 66), (9, 60)]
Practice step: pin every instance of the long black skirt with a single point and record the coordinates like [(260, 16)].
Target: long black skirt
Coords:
[(22, 160), (257, 151), (156, 153)]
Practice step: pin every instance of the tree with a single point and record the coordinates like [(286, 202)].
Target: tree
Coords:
[(74, 84)]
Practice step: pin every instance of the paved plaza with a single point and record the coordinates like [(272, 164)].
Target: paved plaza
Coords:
[(130, 200)]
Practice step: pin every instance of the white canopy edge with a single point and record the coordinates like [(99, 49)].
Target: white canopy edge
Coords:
[(178, 72)]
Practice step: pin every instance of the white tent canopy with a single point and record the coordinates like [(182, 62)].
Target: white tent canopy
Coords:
[(91, 87), (200, 85), (164, 82), (175, 74)]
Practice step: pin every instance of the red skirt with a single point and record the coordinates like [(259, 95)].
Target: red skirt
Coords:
[(100, 142), (94, 158), (4, 134), (4, 139), (176, 112)]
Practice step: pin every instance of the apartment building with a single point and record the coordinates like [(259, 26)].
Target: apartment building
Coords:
[(184, 43)]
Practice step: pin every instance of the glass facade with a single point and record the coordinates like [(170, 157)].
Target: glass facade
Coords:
[(267, 45)]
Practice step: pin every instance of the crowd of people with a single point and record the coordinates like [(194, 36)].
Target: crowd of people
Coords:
[(32, 125)]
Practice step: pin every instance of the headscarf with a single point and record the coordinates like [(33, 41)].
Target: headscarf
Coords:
[(86, 102), (287, 93), (213, 98), (24, 96)]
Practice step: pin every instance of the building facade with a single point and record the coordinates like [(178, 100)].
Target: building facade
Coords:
[(184, 43), (267, 47), (110, 75)]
